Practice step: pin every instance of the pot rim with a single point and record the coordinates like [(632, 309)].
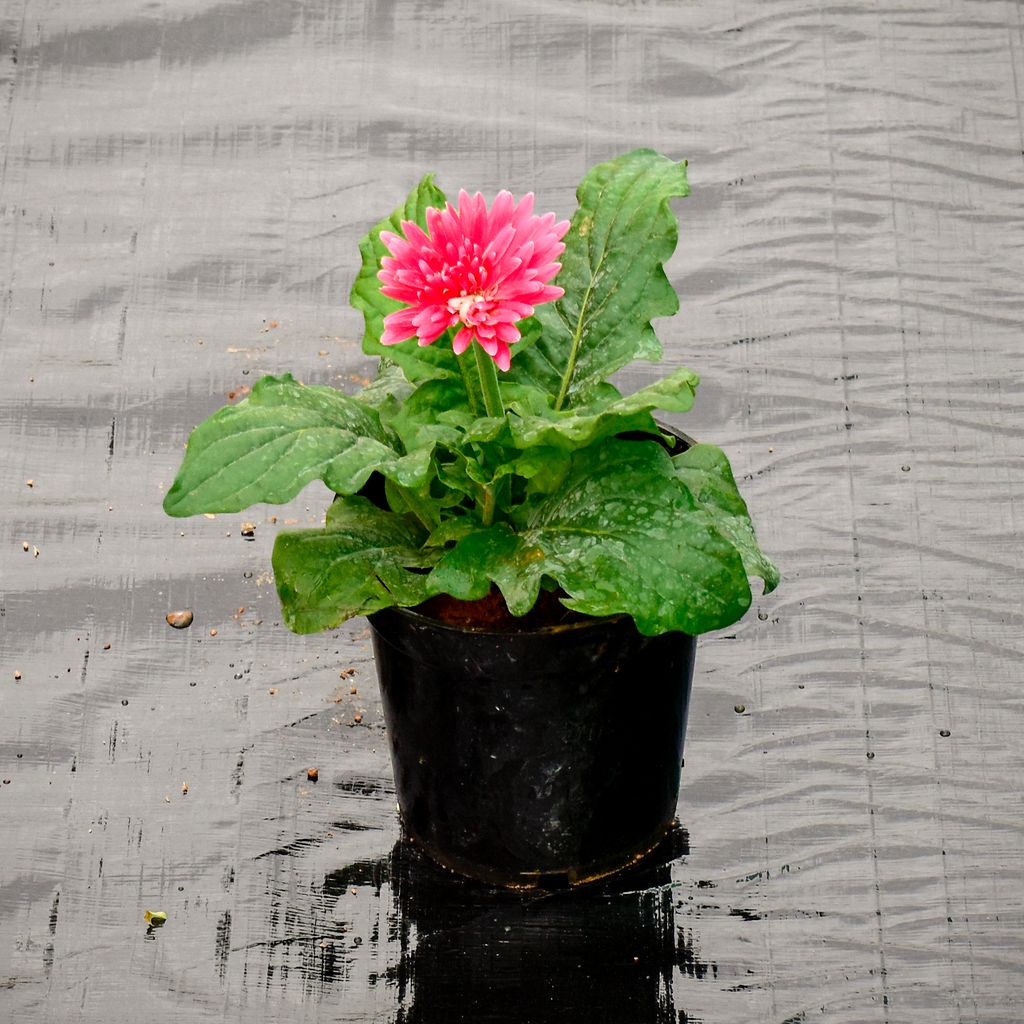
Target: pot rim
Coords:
[(566, 627)]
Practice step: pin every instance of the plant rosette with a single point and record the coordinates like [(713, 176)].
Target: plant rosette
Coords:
[(492, 454)]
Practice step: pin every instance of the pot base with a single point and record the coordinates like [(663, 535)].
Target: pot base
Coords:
[(546, 879)]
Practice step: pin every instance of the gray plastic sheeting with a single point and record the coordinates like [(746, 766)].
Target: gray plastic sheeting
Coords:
[(183, 187)]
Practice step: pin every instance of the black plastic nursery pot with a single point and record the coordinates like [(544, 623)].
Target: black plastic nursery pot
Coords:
[(538, 758)]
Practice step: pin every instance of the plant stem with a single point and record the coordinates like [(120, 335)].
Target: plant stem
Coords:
[(488, 382), (490, 503)]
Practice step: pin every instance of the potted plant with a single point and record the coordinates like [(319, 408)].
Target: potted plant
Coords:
[(536, 554)]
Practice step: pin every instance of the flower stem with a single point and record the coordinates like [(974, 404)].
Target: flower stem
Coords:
[(488, 374), (488, 382)]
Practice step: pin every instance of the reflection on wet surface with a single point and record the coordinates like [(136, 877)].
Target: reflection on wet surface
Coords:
[(448, 949), (182, 188)]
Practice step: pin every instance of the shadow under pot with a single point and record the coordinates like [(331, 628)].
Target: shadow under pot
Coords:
[(540, 757)]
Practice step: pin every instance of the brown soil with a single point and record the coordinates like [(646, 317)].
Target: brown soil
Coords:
[(492, 613)]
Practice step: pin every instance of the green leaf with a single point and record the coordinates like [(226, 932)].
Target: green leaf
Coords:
[(571, 429), (613, 276), (357, 565), (706, 472), (621, 536), (387, 391), (435, 411), (418, 363), (273, 443), (482, 555)]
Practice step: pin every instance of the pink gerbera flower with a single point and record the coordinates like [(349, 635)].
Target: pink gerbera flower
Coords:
[(477, 269)]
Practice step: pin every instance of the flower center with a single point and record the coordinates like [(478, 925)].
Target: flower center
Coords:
[(463, 307)]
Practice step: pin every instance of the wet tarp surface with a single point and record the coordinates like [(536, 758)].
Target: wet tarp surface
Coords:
[(183, 187)]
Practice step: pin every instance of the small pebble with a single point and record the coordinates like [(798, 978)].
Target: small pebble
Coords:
[(272, 691), (17, 675), (106, 647), (30, 483), (944, 733), (762, 616), (312, 774), (353, 691), (124, 702), (740, 708), (180, 620), (213, 632), (357, 719), (7, 782), (248, 530), (870, 755), (35, 552), (24, 545), (184, 789)]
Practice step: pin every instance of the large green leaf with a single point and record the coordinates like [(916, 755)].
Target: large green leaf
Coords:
[(361, 562), (706, 472), (273, 443), (613, 276), (620, 536), (575, 428), (418, 363)]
